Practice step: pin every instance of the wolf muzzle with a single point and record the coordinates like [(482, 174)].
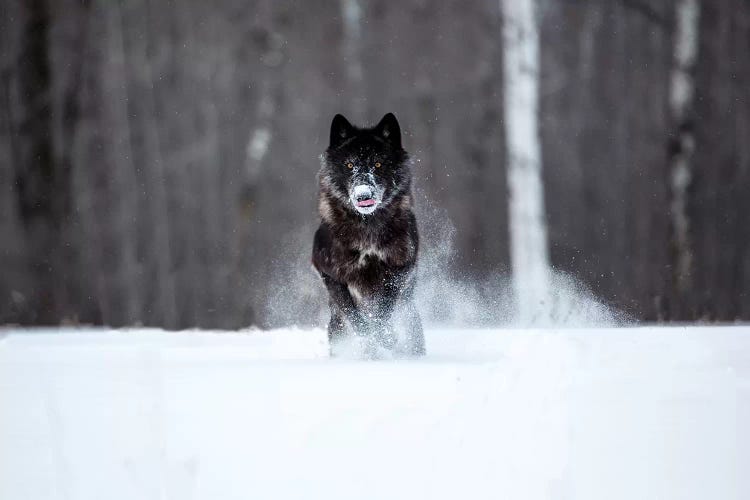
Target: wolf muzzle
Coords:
[(364, 195)]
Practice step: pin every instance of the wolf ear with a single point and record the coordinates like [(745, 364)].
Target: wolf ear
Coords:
[(341, 130), (389, 130)]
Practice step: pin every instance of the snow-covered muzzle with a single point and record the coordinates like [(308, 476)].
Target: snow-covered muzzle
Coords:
[(365, 195)]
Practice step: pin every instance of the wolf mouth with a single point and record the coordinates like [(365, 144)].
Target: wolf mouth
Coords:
[(364, 198)]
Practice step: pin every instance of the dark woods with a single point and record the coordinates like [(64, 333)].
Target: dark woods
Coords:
[(156, 160)]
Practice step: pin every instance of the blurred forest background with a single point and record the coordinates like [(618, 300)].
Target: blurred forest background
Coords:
[(158, 159)]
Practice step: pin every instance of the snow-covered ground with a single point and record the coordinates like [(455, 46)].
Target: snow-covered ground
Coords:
[(632, 413)]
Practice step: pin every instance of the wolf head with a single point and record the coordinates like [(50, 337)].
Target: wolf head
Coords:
[(365, 168)]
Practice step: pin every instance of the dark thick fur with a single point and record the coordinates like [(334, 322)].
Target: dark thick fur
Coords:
[(366, 246)]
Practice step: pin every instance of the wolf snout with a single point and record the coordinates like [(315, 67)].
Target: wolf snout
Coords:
[(364, 195)]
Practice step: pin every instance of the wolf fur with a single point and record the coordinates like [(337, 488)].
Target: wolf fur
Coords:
[(365, 249)]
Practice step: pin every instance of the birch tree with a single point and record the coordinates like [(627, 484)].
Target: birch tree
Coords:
[(528, 233), (681, 92)]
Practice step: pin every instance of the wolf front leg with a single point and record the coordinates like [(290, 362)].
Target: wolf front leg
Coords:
[(343, 306), (397, 292)]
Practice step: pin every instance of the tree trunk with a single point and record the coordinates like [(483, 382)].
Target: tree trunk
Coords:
[(682, 144), (528, 232), (161, 231), (351, 15), (719, 198), (43, 195)]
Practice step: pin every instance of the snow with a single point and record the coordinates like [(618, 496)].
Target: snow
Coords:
[(362, 190), (628, 413)]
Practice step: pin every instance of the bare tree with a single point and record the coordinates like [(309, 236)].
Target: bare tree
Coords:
[(528, 232), (719, 194), (351, 14), (115, 82), (43, 168), (161, 239), (681, 96)]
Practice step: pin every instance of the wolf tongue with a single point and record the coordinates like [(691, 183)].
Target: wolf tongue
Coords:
[(366, 203)]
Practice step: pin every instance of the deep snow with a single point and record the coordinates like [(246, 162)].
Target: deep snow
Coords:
[(631, 413)]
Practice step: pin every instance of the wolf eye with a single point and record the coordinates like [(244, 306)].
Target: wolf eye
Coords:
[(377, 164), (350, 165)]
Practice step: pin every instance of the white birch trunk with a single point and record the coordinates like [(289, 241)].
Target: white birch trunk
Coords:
[(528, 232), (681, 97)]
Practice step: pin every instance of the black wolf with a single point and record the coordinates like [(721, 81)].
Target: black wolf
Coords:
[(366, 246)]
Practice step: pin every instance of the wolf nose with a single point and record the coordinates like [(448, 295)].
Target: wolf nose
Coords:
[(362, 192)]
